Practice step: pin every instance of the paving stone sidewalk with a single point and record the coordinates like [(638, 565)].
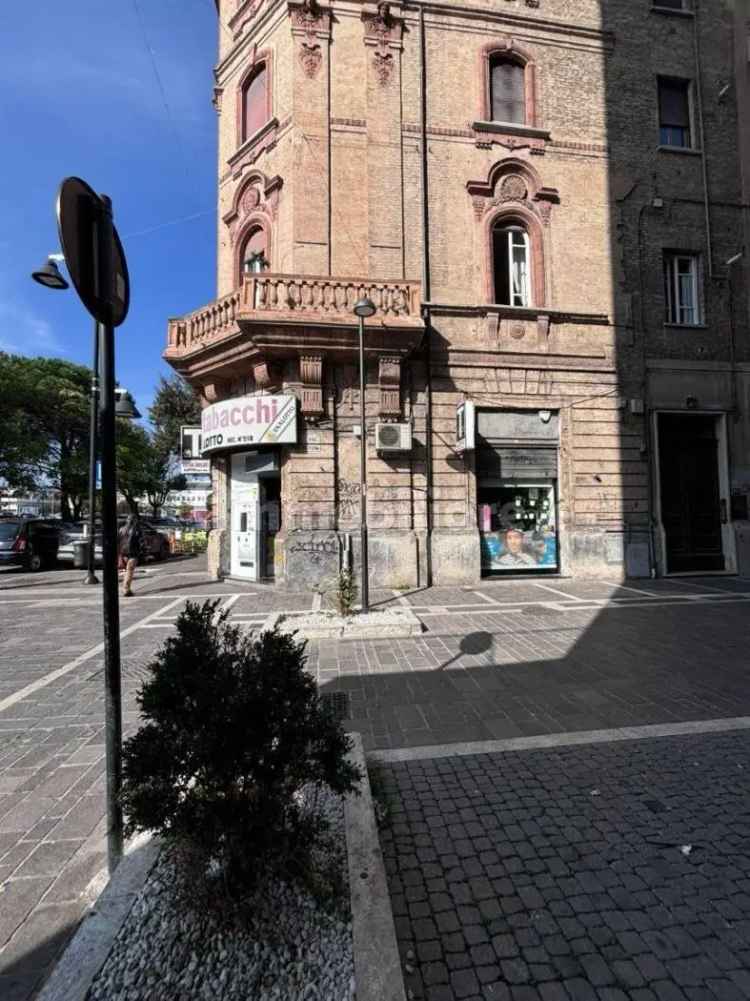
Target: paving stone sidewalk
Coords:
[(617, 872)]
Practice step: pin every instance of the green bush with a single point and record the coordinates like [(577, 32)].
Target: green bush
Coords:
[(233, 731)]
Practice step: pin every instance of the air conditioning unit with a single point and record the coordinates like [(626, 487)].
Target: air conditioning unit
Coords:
[(393, 437)]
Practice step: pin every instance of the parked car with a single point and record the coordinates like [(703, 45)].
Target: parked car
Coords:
[(157, 546), (77, 531), (28, 542)]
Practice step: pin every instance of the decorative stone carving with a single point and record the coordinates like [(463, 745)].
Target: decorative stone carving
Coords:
[(512, 181), (517, 331), (313, 26), (389, 380), (513, 189), (311, 374), (261, 375), (383, 63), (383, 33), (255, 195), (310, 58), (214, 391)]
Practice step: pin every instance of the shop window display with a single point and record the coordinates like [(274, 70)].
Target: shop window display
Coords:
[(518, 528)]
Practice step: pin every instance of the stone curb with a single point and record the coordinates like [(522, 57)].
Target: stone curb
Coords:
[(377, 964), (88, 949)]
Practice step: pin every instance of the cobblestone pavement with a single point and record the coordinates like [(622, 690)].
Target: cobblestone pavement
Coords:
[(499, 660), (616, 872)]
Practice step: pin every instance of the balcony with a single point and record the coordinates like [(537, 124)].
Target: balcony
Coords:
[(276, 315)]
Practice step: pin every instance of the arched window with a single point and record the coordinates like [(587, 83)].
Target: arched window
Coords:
[(511, 259), (255, 102), (254, 256), (507, 90)]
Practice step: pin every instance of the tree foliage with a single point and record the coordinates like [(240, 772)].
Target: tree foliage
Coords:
[(44, 427), (143, 470), (234, 730), (175, 405)]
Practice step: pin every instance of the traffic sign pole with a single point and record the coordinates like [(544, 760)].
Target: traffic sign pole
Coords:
[(96, 264), (91, 577), (112, 678)]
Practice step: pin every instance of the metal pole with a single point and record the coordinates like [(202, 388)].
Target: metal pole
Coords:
[(112, 691), (363, 470), (91, 577)]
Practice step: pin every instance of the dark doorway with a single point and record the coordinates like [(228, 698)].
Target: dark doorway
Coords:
[(690, 502)]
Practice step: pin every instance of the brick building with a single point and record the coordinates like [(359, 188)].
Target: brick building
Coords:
[(544, 200)]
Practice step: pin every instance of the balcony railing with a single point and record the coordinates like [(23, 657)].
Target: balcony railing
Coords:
[(331, 298), (212, 322), (311, 299)]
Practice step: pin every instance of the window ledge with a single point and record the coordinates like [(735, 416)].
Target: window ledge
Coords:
[(255, 139), (658, 9), (685, 326), (687, 150), (511, 128)]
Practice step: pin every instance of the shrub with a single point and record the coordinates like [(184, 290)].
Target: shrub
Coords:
[(233, 731), (346, 592)]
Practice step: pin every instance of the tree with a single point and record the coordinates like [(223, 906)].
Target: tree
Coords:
[(175, 405), (142, 469), (44, 427)]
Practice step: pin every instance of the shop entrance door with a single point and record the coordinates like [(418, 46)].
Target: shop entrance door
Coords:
[(691, 513)]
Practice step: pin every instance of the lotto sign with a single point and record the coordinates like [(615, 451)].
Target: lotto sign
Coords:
[(249, 420)]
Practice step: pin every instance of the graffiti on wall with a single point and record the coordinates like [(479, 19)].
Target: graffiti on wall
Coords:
[(349, 494)]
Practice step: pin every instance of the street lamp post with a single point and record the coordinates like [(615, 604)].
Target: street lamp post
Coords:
[(364, 307)]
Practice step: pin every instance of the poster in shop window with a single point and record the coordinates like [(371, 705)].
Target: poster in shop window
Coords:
[(517, 528)]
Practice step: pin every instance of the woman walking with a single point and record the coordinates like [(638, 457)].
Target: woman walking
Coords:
[(131, 546)]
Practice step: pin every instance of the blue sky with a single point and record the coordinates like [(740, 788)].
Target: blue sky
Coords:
[(79, 95)]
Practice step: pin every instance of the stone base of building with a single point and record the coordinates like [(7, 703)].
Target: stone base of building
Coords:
[(455, 557), (611, 555)]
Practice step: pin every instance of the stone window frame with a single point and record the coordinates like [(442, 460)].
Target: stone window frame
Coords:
[(506, 49), (671, 309), (262, 60), (256, 220), (516, 215)]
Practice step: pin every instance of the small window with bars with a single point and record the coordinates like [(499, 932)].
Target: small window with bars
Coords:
[(681, 273), (672, 4), (507, 91), (674, 113)]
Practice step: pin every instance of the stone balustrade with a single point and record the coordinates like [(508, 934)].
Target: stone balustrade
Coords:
[(332, 299), (310, 299), (219, 318)]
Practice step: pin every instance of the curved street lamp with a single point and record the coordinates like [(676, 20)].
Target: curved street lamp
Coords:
[(363, 308)]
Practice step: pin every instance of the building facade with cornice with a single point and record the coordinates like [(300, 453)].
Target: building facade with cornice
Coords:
[(545, 200)]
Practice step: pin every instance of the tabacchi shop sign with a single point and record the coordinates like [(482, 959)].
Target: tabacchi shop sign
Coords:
[(249, 420)]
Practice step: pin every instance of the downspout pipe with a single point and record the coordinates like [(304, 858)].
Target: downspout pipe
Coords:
[(426, 290), (702, 136)]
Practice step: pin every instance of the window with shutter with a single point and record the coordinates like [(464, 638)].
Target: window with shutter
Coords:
[(674, 113), (508, 91)]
